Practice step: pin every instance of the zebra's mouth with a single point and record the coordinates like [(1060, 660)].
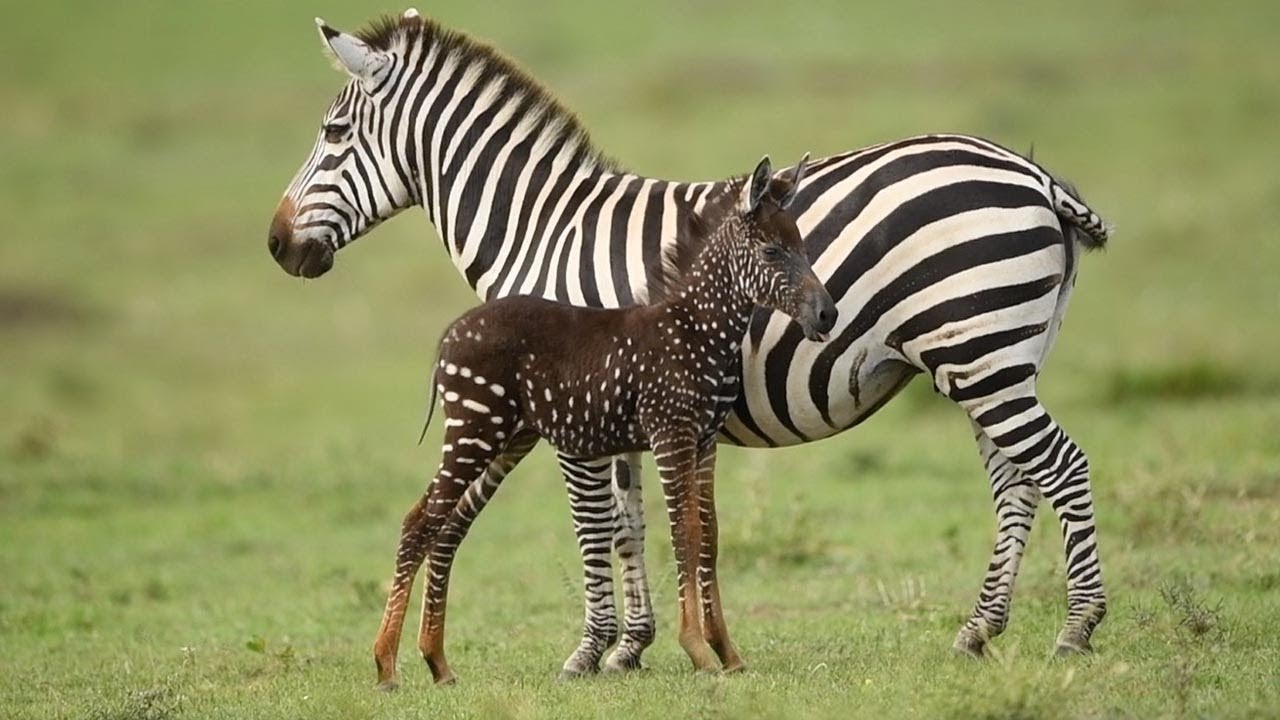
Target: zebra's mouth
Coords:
[(317, 259)]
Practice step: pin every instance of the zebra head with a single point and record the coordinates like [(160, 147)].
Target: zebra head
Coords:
[(351, 181), (776, 271)]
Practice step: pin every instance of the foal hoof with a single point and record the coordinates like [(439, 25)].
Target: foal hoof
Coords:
[(735, 668), (387, 686), (447, 679)]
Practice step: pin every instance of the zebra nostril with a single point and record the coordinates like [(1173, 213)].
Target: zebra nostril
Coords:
[(274, 245)]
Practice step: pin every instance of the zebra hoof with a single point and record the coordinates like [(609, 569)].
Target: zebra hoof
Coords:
[(616, 665), (1070, 649), (447, 679), (970, 646), (388, 686), (735, 668), (570, 674)]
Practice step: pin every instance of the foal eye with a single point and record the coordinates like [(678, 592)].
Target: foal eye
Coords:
[(771, 252), (334, 132)]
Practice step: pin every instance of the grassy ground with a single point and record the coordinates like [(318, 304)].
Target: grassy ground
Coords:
[(203, 462)]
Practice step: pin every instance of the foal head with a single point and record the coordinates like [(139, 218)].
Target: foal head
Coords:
[(763, 247)]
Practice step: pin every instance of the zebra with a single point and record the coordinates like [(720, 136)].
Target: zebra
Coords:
[(947, 255), (591, 381)]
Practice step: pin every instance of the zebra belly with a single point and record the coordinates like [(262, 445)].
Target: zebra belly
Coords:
[(859, 382)]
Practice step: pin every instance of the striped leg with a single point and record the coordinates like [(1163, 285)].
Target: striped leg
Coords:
[(445, 545), (639, 625), (1028, 437), (714, 629), (591, 503), (1015, 499), (677, 460)]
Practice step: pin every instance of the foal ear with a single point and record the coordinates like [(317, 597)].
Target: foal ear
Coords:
[(352, 54), (758, 186), (797, 175)]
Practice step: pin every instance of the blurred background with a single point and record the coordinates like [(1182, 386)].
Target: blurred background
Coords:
[(197, 451)]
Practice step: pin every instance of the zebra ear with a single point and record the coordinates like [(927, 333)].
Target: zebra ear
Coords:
[(758, 186), (797, 176), (353, 55)]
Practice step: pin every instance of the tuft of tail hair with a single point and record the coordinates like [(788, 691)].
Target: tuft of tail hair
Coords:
[(1082, 224), (435, 391), (1087, 227)]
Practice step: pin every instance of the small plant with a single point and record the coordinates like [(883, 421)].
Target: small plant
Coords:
[(1195, 625), (1195, 616), (286, 658)]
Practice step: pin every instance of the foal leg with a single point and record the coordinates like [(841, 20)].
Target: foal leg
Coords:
[(639, 625), (677, 459), (591, 503), (1025, 434), (1015, 499), (445, 546), (417, 533), (714, 629)]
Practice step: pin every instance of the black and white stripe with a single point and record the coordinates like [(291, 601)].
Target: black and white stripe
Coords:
[(946, 255)]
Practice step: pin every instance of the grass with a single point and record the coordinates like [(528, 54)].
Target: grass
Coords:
[(203, 463)]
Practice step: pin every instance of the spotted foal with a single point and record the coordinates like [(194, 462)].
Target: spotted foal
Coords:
[(596, 382)]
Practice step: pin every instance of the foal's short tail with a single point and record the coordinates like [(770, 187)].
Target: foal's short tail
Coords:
[(1088, 228), (435, 390)]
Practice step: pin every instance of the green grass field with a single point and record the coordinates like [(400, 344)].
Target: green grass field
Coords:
[(203, 462)]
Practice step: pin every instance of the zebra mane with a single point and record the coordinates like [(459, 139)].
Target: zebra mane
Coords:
[(555, 122), (696, 230)]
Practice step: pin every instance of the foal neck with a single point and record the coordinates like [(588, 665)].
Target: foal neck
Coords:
[(712, 302)]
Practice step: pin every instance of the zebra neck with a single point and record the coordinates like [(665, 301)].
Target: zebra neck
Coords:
[(522, 200)]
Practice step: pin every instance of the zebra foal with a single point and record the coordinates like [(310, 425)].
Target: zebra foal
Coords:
[(595, 382)]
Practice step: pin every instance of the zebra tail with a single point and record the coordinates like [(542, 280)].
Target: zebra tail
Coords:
[(1086, 225)]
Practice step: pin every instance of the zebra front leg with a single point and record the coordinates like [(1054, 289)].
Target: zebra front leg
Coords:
[(714, 629), (1029, 438), (497, 463), (591, 504), (1015, 500), (639, 625), (677, 458)]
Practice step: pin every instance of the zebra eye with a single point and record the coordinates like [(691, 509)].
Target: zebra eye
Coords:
[(771, 252), (334, 132)]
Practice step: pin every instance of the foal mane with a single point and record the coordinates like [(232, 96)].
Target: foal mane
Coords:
[(695, 231)]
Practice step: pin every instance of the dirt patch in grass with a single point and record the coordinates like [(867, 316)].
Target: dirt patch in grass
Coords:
[(39, 307), (1194, 379)]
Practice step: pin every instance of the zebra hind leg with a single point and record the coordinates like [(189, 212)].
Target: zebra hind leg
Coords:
[(591, 504), (639, 625), (1015, 500), (1028, 437)]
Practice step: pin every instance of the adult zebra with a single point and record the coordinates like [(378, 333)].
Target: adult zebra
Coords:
[(946, 254)]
